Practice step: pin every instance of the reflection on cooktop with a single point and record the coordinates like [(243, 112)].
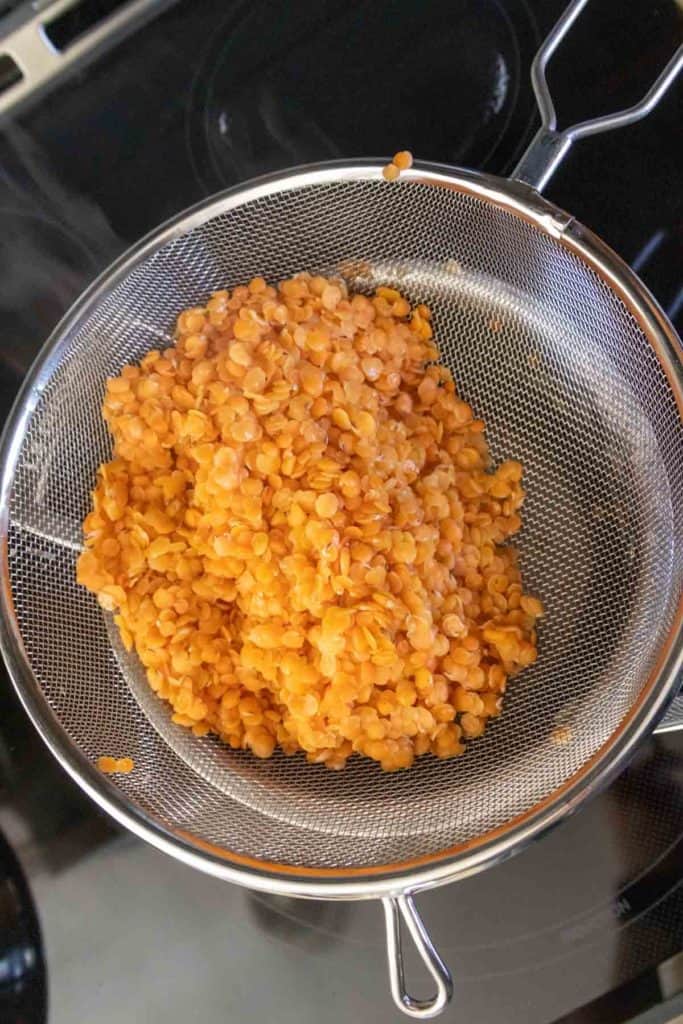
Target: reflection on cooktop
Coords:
[(446, 79), (306, 924), (44, 268)]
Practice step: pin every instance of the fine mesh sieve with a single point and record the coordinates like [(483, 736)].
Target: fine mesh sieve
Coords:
[(559, 349), (567, 382)]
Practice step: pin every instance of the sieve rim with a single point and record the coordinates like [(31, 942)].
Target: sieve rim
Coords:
[(465, 858)]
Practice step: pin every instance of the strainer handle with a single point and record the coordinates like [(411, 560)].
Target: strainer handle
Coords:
[(403, 907), (549, 146)]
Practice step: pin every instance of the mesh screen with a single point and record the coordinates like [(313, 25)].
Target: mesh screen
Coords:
[(567, 383)]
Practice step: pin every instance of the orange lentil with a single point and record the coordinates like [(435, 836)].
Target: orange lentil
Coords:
[(390, 172), (115, 765), (403, 159), (326, 505)]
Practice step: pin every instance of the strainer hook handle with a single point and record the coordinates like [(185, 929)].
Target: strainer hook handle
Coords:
[(549, 146), (402, 909)]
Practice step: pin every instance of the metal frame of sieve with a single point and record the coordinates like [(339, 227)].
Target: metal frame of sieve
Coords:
[(399, 867)]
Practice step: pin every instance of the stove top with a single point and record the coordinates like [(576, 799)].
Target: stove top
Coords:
[(587, 924)]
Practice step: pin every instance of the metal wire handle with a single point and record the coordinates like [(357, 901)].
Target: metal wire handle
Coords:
[(395, 908), (549, 146)]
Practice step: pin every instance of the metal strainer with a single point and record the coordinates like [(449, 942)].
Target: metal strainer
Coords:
[(577, 374)]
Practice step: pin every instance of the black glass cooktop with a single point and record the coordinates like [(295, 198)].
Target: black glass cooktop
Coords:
[(585, 925)]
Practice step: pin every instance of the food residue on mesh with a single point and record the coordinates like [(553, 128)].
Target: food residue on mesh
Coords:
[(561, 735), (115, 765), (301, 533), (400, 162)]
